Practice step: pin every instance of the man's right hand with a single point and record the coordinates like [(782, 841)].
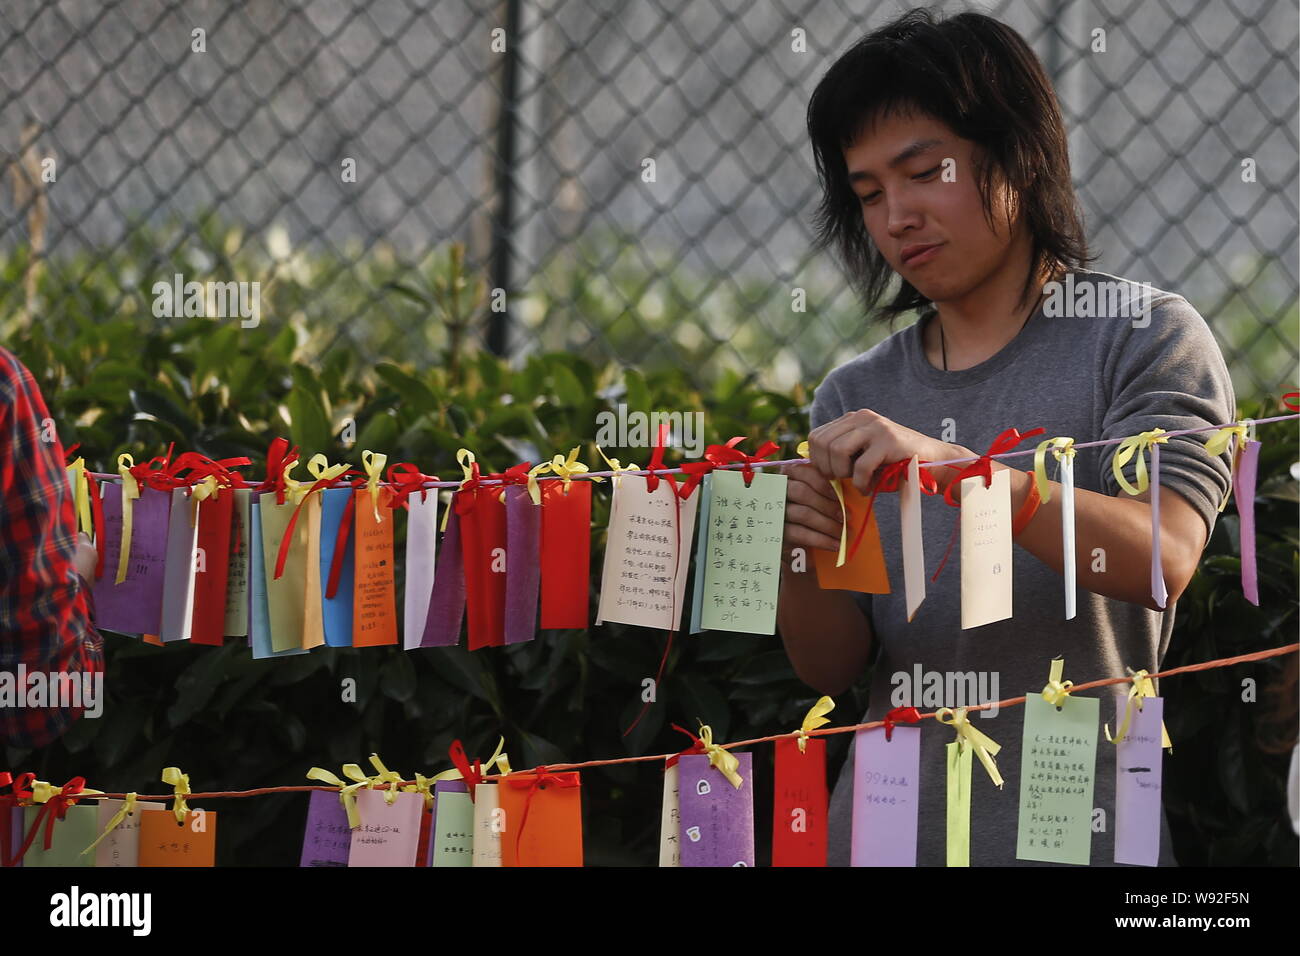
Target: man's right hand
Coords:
[(812, 512)]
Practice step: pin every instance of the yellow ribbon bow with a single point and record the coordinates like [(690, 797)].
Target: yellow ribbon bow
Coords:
[(802, 452), (1055, 692), (466, 459), (43, 792), (1217, 444), (374, 466), (813, 719), (1135, 444), (347, 791), (1061, 448), (130, 492), (615, 467), (384, 775), (422, 785), (985, 748), (724, 761), (126, 809), (81, 494), (180, 783), (1141, 687), (566, 468), (295, 490)]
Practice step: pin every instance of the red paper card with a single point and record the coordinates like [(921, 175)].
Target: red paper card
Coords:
[(374, 598), (566, 550), (799, 806), (165, 843), (212, 569), (551, 832), (483, 546)]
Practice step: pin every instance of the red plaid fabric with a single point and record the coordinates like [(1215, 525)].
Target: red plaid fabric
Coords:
[(46, 610)]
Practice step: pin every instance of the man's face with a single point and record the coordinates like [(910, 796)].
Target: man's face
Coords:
[(897, 171)]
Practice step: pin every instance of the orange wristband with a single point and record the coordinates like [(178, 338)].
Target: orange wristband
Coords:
[(1028, 509)]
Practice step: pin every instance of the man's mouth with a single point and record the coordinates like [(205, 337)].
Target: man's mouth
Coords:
[(921, 254)]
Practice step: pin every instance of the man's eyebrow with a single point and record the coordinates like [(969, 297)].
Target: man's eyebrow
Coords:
[(920, 146)]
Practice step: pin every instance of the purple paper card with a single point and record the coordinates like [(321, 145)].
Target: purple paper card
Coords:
[(328, 836), (135, 605), (523, 565), (886, 796), (1138, 783), (717, 820), (1244, 492), (447, 606)]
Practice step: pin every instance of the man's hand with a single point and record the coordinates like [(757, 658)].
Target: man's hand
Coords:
[(86, 557), (812, 512), (857, 443)]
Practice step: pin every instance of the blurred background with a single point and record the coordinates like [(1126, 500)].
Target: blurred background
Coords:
[(524, 170)]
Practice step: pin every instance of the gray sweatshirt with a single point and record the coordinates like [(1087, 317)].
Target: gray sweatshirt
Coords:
[(1087, 378)]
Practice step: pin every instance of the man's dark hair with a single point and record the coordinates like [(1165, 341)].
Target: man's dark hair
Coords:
[(981, 79)]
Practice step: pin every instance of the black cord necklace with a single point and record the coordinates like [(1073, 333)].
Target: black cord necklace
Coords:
[(943, 346)]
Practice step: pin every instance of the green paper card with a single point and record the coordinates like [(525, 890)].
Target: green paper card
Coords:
[(1058, 760), (742, 570), (958, 759), (72, 834)]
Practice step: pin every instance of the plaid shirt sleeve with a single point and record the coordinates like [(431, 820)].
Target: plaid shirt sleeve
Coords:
[(46, 609)]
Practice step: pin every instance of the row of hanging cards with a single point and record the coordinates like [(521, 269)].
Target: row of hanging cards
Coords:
[(519, 821), (148, 836), (205, 570)]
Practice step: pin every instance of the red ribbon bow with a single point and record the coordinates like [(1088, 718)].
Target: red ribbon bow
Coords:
[(982, 467), (537, 780), (472, 776), (888, 478), (278, 456), (696, 747), (715, 456), (1286, 400), (900, 715), (404, 480)]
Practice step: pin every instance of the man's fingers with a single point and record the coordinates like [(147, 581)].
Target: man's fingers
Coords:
[(812, 519)]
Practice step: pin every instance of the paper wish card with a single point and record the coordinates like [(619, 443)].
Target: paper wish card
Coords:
[(236, 623), (336, 544), (179, 570), (986, 549), (374, 597), (76, 831), (523, 565), (327, 839), (164, 842), (421, 561), (647, 555), (742, 570), (389, 834), (543, 821), (864, 568), (488, 826), (212, 568), (447, 602), (566, 543), (121, 848), (799, 807), (1058, 759), (285, 595), (1139, 765), (453, 824), (135, 605), (909, 512), (259, 612), (717, 819), (670, 847), (886, 796)]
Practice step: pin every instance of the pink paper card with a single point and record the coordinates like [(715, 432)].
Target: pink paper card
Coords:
[(388, 835)]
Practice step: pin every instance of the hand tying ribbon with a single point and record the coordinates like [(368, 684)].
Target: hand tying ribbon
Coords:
[(813, 719), (1056, 692), (1135, 444), (1140, 687), (802, 452), (967, 735), (900, 715), (535, 780)]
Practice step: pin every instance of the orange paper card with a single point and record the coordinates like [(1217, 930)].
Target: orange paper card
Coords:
[(165, 843), (864, 569), (551, 833), (374, 599)]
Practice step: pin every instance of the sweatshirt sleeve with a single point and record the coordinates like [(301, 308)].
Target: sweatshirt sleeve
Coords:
[(1169, 374)]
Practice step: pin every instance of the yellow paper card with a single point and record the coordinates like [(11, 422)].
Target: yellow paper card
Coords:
[(285, 598), (985, 550), (313, 623), (864, 569)]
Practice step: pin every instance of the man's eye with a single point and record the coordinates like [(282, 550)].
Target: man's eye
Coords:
[(929, 172)]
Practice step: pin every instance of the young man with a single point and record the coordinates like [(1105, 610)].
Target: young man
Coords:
[(45, 602), (943, 161)]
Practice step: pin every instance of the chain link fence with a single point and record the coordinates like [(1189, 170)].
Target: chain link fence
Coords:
[(636, 177)]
